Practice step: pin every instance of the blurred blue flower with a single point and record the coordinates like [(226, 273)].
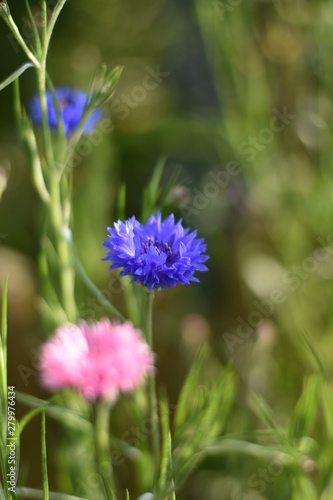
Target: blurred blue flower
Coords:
[(72, 103), (157, 254)]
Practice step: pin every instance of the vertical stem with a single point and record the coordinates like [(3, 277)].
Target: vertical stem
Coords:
[(16, 32), (67, 277), (44, 459), (41, 72), (102, 448), (4, 391), (148, 330)]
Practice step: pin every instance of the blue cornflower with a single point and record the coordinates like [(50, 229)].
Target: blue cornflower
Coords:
[(157, 254), (72, 103)]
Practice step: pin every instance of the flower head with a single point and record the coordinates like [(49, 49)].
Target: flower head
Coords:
[(99, 360), (157, 254), (71, 103)]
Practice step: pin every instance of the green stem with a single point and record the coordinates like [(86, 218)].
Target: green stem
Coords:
[(31, 493), (44, 459), (4, 393), (57, 214), (55, 14), (34, 28), (16, 32), (91, 286), (42, 96), (102, 449), (3, 343), (148, 331), (67, 277)]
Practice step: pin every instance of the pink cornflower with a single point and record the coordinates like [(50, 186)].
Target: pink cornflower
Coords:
[(98, 359)]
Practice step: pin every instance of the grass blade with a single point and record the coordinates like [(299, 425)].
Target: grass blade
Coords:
[(306, 408), (15, 75), (44, 460)]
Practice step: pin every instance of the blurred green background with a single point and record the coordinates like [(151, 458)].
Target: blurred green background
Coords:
[(229, 67)]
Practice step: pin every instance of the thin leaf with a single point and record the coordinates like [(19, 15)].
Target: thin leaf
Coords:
[(303, 488), (31, 401), (318, 363), (44, 460), (265, 414), (69, 417), (33, 493), (34, 27), (15, 75), (91, 286), (165, 455), (173, 496), (327, 405), (28, 417), (98, 94), (173, 179), (156, 179), (327, 493), (3, 390), (306, 408), (17, 102), (225, 445), (53, 19), (152, 192), (121, 201), (29, 138), (189, 388), (4, 342)]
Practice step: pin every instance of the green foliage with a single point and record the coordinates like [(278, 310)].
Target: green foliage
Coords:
[(155, 195), (166, 467), (306, 409), (44, 460), (262, 57), (14, 76), (201, 415)]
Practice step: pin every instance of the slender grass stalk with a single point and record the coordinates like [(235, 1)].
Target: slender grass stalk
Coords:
[(5, 14), (55, 14), (34, 29), (44, 460), (41, 74), (165, 452), (33, 493), (4, 390), (148, 331), (67, 276), (4, 340), (91, 286), (173, 497), (102, 449)]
